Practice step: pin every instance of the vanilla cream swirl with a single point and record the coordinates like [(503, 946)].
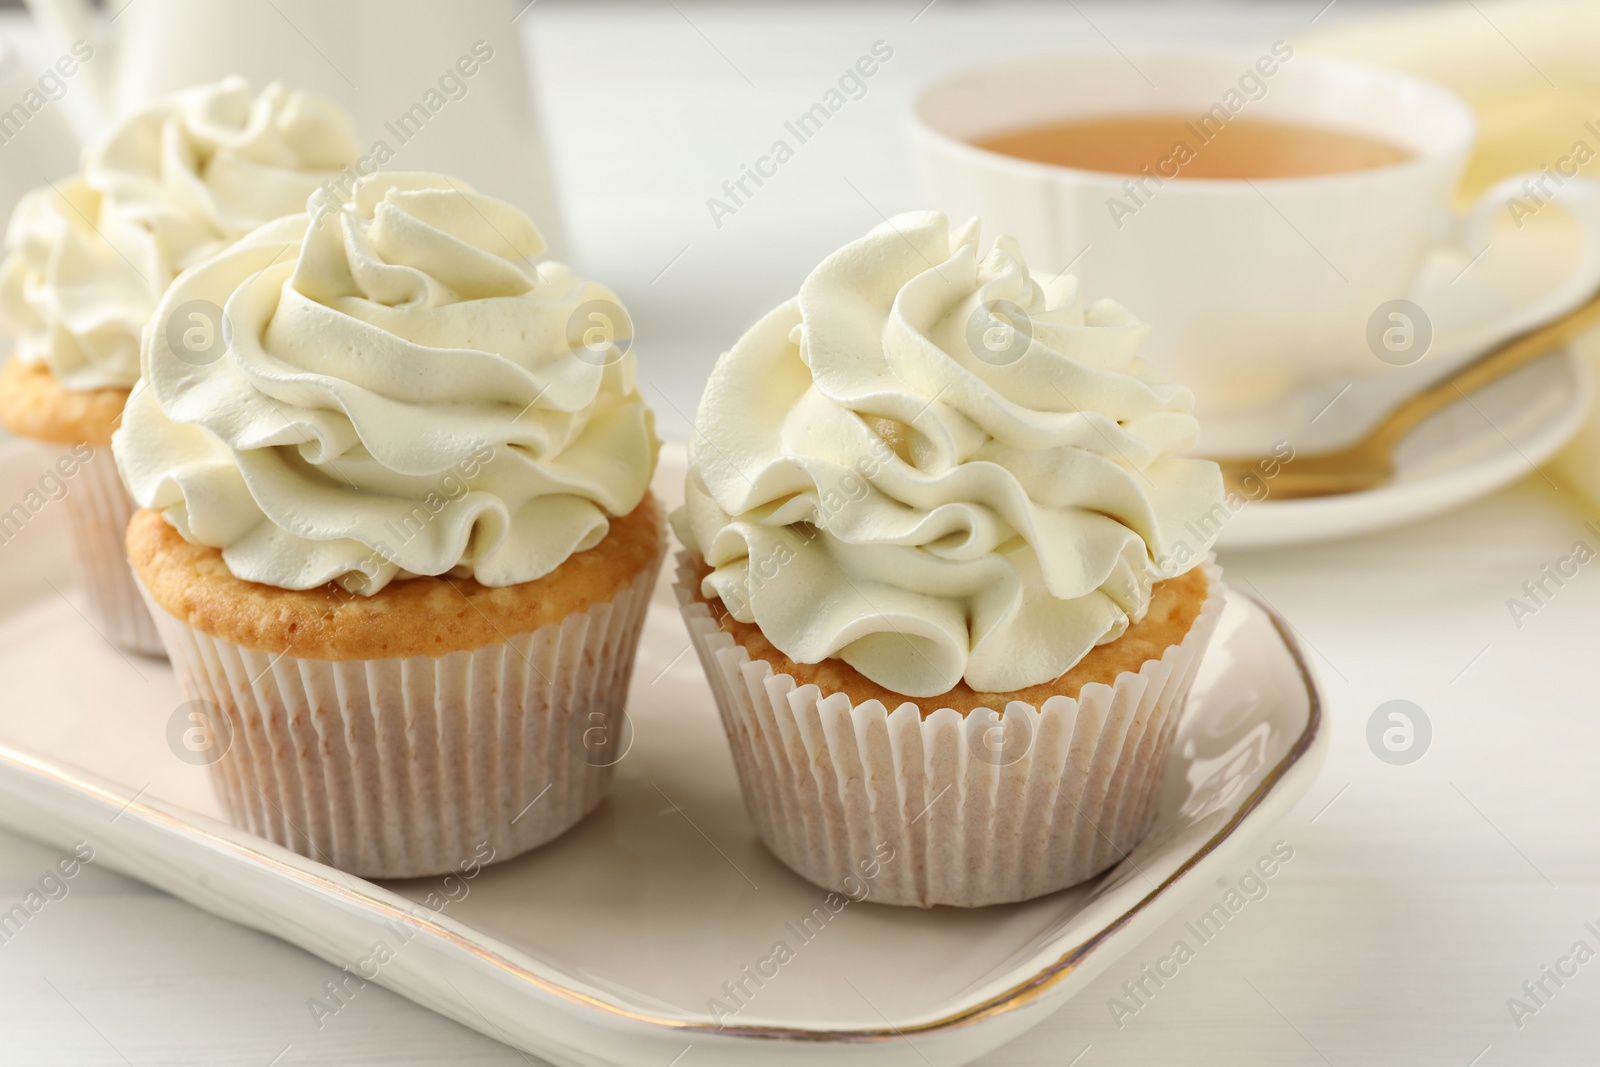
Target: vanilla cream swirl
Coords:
[(403, 391), (90, 256), (937, 467)]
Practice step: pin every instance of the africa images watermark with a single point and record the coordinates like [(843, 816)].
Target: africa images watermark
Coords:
[(53, 485), (1000, 333), (1204, 128), (1539, 991), (452, 85), (752, 978), (852, 85), (1399, 732), (53, 886), (452, 486), (338, 993), (851, 488), (1250, 887), (51, 87), (1539, 590), (1253, 488), (1542, 187)]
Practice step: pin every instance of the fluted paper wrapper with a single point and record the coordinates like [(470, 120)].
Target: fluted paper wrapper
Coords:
[(398, 768), (951, 809), (98, 510)]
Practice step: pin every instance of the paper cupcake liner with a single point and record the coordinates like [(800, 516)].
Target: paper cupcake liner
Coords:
[(951, 809), (98, 510), (398, 768)]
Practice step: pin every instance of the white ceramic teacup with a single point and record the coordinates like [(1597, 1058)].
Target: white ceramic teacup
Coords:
[(1254, 288)]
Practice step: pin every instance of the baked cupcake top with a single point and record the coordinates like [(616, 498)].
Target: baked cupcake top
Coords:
[(937, 467), (90, 256), (396, 389)]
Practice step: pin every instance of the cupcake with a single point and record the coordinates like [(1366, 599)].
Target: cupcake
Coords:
[(396, 534), (89, 257), (936, 570)]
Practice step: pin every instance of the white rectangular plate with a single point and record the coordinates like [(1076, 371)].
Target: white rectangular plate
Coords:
[(615, 944)]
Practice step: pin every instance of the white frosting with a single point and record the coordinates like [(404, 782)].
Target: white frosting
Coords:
[(90, 257), (404, 392), (937, 467)]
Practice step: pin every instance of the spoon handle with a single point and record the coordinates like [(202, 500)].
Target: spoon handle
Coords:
[(1491, 366)]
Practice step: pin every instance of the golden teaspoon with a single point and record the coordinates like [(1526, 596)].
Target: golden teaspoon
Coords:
[(1369, 462)]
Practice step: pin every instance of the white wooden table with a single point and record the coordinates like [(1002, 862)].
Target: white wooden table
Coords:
[(1420, 897)]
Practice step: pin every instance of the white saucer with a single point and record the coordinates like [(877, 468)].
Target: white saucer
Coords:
[(1472, 448), (1478, 445)]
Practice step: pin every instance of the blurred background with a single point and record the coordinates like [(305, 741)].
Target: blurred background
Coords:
[(648, 107)]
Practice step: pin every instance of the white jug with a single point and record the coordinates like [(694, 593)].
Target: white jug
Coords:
[(38, 141), (443, 84)]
